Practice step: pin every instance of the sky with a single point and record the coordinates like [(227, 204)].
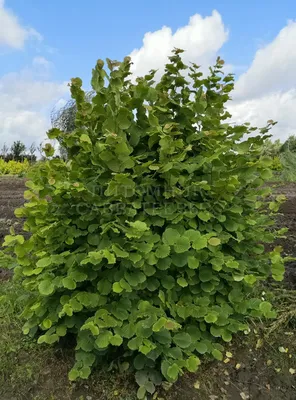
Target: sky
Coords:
[(43, 44)]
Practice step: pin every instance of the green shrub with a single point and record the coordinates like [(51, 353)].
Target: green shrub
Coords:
[(288, 162), (289, 145), (147, 243)]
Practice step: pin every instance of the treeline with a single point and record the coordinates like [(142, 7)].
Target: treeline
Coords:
[(284, 158), (19, 152)]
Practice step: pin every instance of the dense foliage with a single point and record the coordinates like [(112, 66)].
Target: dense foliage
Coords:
[(13, 167), (283, 158), (146, 245)]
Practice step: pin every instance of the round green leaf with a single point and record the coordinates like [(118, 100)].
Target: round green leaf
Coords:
[(213, 241), (182, 282), (117, 287), (46, 288), (170, 236), (182, 340), (116, 340)]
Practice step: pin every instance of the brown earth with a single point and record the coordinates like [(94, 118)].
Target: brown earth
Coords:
[(11, 197), (288, 219)]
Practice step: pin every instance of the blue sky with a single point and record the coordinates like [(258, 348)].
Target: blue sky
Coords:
[(62, 39), (81, 32)]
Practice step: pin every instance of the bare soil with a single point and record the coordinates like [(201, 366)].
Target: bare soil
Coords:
[(11, 197)]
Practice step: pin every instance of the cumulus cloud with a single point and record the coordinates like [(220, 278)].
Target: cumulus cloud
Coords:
[(201, 38), (12, 33), (26, 100), (267, 90), (273, 67), (278, 106)]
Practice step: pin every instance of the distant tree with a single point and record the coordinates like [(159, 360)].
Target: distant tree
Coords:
[(40, 150), (4, 151), (32, 151), (64, 119), (271, 148), (17, 149), (290, 144)]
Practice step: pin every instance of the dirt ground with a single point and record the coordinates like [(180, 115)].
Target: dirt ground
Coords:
[(260, 366), (288, 219), (11, 197)]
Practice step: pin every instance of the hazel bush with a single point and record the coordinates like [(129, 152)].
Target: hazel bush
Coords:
[(148, 242)]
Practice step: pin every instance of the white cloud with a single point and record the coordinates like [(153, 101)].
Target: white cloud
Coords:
[(278, 106), (26, 99), (267, 90), (273, 67), (12, 34), (201, 38)]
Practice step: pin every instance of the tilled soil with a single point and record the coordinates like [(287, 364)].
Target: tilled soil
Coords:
[(288, 219), (11, 197)]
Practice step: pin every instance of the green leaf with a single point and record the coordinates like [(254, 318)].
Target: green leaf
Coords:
[(85, 372), (47, 323), (168, 282), (140, 361), (117, 287), (170, 236), (201, 347), (162, 251), (213, 241), (85, 138), (182, 282), (204, 215), (217, 354), (61, 330), (116, 340), (159, 324), (45, 288), (103, 339), (200, 243), (104, 287), (141, 393), (182, 340), (141, 377), (134, 343), (193, 263), (69, 283), (53, 133), (78, 276), (182, 244), (43, 262), (119, 252), (73, 374), (211, 317), (139, 226), (163, 336), (173, 372), (123, 118), (192, 363), (205, 274)]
